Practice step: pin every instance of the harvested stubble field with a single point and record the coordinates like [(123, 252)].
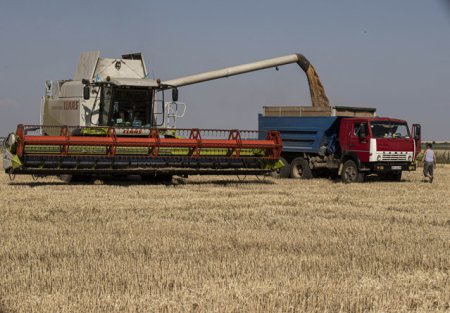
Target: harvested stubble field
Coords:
[(216, 245)]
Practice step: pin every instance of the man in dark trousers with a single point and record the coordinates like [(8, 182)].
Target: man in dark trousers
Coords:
[(429, 162)]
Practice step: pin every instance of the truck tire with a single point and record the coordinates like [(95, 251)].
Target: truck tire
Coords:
[(282, 172), (300, 169), (350, 173)]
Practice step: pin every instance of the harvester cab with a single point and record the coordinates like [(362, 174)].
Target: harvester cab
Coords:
[(132, 106), (114, 93)]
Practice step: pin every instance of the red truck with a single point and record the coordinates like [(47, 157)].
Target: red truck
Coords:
[(349, 142)]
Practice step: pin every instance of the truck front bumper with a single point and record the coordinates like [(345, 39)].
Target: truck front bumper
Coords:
[(385, 167)]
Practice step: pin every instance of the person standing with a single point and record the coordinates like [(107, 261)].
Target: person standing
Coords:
[(429, 162)]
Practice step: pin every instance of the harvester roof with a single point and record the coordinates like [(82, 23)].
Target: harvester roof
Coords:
[(137, 82)]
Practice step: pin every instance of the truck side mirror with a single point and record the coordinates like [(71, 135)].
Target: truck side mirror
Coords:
[(174, 94), (417, 134), (86, 92)]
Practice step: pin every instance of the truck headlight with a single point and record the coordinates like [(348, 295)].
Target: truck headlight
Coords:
[(379, 157), (409, 158)]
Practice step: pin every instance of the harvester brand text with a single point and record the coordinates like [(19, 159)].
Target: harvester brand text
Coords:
[(70, 105)]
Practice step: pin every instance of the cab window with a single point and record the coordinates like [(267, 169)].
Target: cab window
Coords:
[(389, 129), (359, 127)]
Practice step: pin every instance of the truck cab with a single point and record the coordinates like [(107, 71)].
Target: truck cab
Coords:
[(383, 146)]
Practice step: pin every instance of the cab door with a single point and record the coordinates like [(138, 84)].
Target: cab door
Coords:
[(359, 140)]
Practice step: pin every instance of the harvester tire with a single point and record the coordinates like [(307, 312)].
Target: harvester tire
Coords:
[(283, 172), (73, 179), (164, 178), (350, 173), (159, 178), (300, 169)]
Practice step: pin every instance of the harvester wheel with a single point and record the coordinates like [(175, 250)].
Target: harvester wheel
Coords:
[(76, 178), (158, 178), (350, 173), (283, 172), (300, 169), (164, 178)]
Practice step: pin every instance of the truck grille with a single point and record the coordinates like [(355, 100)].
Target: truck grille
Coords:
[(394, 157)]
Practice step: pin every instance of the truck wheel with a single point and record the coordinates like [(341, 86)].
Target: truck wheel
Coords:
[(300, 169), (350, 173), (283, 172)]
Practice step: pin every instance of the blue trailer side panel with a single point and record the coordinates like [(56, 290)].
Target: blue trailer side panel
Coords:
[(303, 134)]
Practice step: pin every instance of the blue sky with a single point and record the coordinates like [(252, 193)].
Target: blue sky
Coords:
[(392, 55)]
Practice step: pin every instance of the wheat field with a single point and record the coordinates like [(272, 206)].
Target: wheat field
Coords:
[(214, 244)]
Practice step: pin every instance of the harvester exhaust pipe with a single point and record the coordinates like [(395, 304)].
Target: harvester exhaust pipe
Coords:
[(318, 96)]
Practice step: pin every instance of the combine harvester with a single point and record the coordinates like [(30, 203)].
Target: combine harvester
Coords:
[(110, 119)]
